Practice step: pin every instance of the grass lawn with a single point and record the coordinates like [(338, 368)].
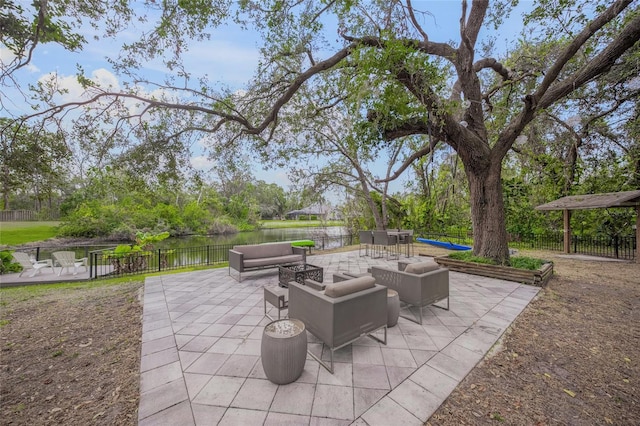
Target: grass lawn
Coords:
[(271, 224), (14, 233)]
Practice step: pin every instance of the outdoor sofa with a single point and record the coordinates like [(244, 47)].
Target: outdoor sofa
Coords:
[(262, 256), (342, 313), (420, 284)]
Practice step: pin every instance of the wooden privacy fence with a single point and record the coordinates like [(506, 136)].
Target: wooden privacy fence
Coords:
[(17, 215)]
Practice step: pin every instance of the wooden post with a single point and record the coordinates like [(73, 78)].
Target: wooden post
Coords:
[(567, 231)]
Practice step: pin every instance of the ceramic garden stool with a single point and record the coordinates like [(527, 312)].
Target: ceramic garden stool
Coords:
[(284, 350), (393, 307)]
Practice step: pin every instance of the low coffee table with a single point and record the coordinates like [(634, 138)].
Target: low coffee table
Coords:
[(298, 273)]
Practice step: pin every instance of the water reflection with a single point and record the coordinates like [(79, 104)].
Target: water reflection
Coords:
[(256, 237), (324, 237)]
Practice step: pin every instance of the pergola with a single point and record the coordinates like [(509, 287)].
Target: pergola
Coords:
[(594, 201)]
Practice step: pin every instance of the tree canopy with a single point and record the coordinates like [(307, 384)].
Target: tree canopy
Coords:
[(376, 62)]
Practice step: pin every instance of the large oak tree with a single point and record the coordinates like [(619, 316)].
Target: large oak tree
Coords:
[(384, 66)]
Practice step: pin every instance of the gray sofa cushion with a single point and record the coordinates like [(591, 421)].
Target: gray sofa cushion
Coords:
[(267, 261), (421, 267), (259, 251), (350, 286)]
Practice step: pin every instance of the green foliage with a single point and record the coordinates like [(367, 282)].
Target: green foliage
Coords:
[(468, 256), (518, 262), (6, 263), (524, 262)]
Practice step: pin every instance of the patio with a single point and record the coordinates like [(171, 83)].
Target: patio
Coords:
[(201, 363)]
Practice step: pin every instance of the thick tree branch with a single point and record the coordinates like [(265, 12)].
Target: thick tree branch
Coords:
[(442, 50), (602, 63), (569, 52)]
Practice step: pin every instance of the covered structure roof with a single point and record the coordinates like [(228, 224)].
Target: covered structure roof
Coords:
[(594, 201)]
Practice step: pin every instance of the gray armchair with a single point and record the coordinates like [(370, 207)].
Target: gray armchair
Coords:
[(342, 313), (420, 284)]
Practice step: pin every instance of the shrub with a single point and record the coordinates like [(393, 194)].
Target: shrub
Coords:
[(7, 264), (519, 262)]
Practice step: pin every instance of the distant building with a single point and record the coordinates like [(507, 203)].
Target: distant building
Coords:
[(321, 212)]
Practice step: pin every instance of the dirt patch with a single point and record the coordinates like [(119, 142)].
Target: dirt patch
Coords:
[(570, 358), (72, 355)]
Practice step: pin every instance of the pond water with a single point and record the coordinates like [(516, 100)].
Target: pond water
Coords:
[(324, 237)]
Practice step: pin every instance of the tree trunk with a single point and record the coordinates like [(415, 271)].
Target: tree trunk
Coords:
[(487, 211)]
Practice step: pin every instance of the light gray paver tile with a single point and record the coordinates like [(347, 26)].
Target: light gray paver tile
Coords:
[(294, 398), (182, 339), (158, 345), (416, 399), (207, 415), (342, 375), (208, 363), (282, 419), (195, 383), (238, 366), (187, 358), (157, 334), (333, 401), (249, 347), (363, 399), (398, 357), (225, 345), (157, 359), (398, 374), (199, 344), (449, 366), (242, 417), (255, 394), (154, 325), (434, 381), (217, 330), (388, 412), (422, 356), (311, 371), (239, 331), (367, 355), (193, 328), (177, 414), (370, 376), (220, 390), (160, 375), (161, 398)]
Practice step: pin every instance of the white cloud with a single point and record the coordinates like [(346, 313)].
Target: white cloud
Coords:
[(201, 162), (7, 56)]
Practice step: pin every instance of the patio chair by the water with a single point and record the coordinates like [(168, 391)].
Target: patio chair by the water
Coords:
[(29, 265), (67, 259)]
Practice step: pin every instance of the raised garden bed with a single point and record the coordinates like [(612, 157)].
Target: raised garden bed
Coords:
[(538, 277)]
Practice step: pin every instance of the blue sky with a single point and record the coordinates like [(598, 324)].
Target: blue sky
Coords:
[(230, 57)]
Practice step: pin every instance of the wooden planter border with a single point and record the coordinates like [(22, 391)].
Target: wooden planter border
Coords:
[(538, 277)]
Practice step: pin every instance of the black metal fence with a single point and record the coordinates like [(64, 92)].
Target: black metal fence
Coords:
[(106, 263), (617, 247)]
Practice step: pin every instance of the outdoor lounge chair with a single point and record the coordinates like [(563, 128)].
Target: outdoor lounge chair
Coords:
[(420, 284), (342, 313), (67, 259), (26, 263)]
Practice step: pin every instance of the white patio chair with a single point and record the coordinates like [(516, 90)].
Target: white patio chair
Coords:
[(67, 259), (27, 264)]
